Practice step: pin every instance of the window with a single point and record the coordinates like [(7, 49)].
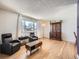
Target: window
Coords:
[(29, 26)]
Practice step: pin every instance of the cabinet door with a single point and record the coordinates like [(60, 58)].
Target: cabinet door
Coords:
[(58, 31), (53, 30)]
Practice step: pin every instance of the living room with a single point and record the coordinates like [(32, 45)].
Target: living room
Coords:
[(21, 18)]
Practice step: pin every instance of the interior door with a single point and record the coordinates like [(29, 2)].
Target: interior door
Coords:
[(56, 31), (53, 31)]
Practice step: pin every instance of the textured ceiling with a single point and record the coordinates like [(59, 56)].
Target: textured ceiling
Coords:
[(35, 8)]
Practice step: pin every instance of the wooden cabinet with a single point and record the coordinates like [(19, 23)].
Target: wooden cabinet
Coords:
[(55, 32)]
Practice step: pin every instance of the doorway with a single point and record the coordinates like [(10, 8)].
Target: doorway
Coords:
[(55, 30)]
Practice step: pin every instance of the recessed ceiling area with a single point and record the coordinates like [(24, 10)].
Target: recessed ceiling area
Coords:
[(35, 8)]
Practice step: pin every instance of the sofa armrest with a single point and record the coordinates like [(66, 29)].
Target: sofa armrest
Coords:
[(13, 41), (23, 38)]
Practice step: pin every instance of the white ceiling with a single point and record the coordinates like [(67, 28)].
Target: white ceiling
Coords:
[(35, 8)]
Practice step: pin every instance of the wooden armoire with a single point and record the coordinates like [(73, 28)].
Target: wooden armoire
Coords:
[(55, 30)]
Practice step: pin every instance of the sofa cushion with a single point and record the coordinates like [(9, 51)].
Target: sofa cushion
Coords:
[(26, 40), (14, 44), (7, 40)]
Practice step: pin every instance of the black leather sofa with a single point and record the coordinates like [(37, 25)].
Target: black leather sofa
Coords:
[(32, 37), (23, 40), (9, 46)]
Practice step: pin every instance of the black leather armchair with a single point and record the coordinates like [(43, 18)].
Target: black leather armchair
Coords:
[(9, 46), (32, 37)]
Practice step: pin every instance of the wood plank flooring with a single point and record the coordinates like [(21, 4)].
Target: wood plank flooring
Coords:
[(51, 49)]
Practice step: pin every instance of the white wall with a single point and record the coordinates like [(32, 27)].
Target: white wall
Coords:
[(68, 14), (43, 28), (39, 30), (8, 22), (46, 29)]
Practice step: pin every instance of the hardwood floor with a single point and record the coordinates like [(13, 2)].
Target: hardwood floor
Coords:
[(51, 49)]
